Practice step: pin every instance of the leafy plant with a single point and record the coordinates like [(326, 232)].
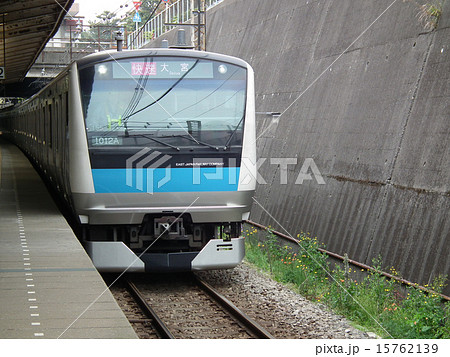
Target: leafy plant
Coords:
[(428, 13), (374, 302), (149, 35)]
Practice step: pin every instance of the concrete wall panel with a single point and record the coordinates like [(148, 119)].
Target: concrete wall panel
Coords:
[(368, 101)]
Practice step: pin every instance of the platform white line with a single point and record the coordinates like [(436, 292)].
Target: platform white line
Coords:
[(108, 287)]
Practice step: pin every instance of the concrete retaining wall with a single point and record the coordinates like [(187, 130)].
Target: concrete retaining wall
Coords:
[(368, 100)]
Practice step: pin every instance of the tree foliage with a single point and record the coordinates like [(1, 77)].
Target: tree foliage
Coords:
[(108, 18), (145, 11), (108, 23), (103, 28)]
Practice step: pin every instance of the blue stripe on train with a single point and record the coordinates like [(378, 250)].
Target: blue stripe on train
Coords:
[(200, 179)]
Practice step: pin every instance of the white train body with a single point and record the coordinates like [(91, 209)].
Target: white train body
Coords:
[(153, 151)]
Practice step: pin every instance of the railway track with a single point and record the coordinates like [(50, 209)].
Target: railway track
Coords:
[(142, 323), (184, 306), (295, 243)]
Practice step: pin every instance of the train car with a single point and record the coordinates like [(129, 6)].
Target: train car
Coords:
[(153, 151)]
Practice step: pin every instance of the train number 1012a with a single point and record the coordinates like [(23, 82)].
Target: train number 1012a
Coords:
[(105, 140)]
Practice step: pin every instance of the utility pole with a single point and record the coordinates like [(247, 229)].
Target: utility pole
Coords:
[(199, 24)]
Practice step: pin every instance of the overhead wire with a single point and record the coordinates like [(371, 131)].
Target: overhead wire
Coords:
[(145, 23)]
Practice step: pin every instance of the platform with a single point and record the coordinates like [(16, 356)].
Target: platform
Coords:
[(49, 287)]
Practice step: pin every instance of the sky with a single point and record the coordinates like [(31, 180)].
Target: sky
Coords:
[(91, 8)]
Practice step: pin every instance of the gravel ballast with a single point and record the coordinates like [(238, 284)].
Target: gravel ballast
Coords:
[(284, 313)]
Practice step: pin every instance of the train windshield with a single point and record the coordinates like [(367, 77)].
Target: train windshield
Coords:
[(175, 101)]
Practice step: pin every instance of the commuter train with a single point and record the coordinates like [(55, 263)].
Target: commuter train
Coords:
[(152, 150)]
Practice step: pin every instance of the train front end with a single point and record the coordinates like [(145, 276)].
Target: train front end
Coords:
[(168, 175)]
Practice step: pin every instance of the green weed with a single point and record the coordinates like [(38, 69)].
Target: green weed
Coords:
[(373, 302), (428, 13)]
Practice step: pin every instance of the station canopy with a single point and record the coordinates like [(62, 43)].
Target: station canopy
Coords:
[(25, 28)]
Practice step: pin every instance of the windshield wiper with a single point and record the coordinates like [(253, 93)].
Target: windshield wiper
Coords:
[(232, 134), (191, 139)]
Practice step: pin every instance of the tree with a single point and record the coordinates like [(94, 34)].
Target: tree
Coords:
[(145, 11), (102, 30), (108, 23), (106, 18)]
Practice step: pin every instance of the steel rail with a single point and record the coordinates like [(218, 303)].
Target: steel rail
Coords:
[(248, 322), (160, 326)]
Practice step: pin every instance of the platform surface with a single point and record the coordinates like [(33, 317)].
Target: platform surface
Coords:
[(49, 287)]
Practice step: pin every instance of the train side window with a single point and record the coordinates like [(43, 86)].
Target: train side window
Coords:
[(36, 124), (43, 126), (66, 105), (57, 119), (50, 126)]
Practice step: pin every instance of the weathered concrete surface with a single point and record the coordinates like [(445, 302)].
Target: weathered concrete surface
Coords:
[(49, 287), (364, 91)]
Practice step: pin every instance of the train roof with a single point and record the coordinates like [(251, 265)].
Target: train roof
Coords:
[(169, 52)]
